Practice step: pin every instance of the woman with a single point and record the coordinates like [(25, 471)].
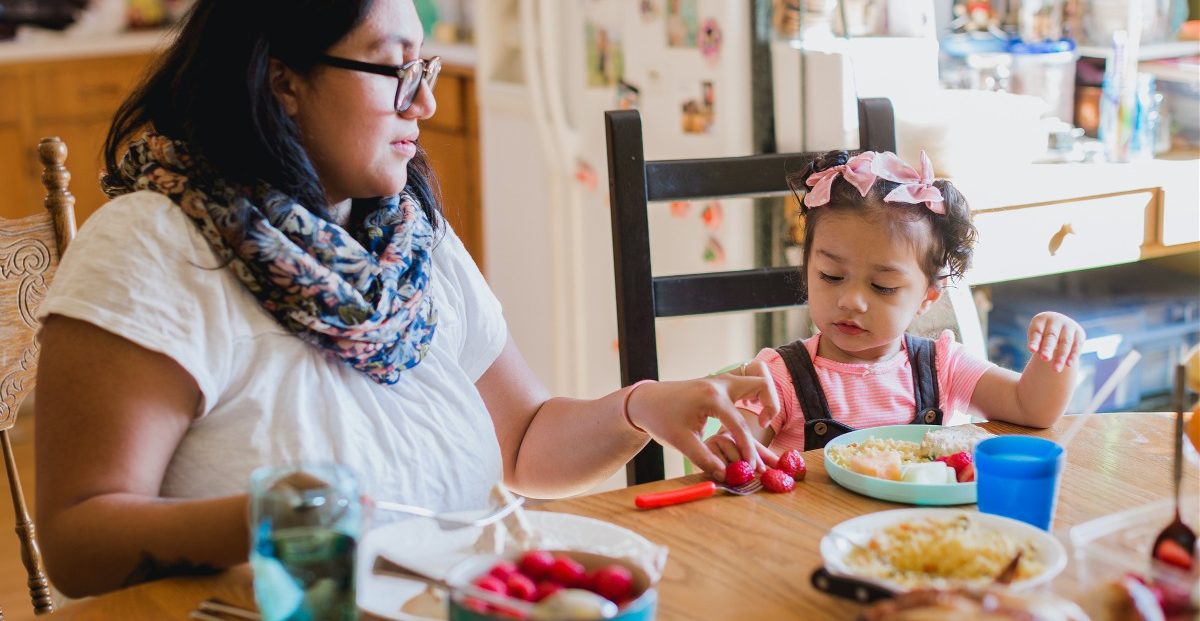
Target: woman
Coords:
[(245, 300)]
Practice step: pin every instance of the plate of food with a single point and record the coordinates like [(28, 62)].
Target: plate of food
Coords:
[(912, 464), (908, 549), (422, 545)]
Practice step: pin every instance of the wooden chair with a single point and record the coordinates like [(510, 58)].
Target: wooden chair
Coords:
[(30, 249), (641, 297)]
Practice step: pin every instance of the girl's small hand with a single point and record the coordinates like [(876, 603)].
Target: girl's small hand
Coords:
[(674, 413), (1056, 339)]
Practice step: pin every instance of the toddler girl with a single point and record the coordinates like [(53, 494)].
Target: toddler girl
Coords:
[(881, 241)]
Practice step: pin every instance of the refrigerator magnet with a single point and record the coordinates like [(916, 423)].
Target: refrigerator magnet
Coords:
[(710, 41), (585, 175), (682, 23), (681, 209), (605, 55), (627, 95), (714, 253), (697, 113), (648, 9), (713, 216)]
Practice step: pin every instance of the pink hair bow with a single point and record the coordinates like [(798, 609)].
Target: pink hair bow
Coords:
[(913, 188), (857, 171)]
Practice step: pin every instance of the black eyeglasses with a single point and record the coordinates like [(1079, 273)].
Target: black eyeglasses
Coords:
[(409, 76)]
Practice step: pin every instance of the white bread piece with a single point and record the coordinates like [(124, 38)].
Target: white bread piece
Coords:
[(951, 440)]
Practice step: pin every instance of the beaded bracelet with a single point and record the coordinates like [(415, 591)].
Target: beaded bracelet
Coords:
[(625, 403)]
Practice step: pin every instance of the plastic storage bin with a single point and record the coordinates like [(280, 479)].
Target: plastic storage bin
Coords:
[(1161, 327)]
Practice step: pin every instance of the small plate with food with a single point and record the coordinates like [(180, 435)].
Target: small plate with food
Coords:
[(908, 549), (911, 464)]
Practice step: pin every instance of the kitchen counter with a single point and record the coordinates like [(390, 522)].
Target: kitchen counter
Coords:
[(43, 46)]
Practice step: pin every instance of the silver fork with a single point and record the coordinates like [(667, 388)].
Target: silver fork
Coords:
[(446, 522), (694, 492)]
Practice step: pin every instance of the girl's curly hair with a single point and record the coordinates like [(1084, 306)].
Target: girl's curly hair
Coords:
[(947, 251)]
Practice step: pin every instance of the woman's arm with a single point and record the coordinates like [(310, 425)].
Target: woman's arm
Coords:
[(110, 415), (1040, 394), (555, 446)]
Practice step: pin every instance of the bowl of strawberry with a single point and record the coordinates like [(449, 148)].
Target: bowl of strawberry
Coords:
[(550, 584)]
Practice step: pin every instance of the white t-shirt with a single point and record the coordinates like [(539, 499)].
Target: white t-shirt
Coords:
[(140, 269)]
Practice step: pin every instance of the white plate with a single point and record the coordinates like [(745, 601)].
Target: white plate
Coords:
[(421, 544), (859, 530)]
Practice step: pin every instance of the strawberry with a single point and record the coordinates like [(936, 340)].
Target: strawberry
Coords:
[(476, 605), (1171, 553), (503, 570), (491, 583), (614, 582), (778, 481), (738, 473), (545, 589), (521, 586), (536, 564), (964, 468), (792, 463), (568, 572)]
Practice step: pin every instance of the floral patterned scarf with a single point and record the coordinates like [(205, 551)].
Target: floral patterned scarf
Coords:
[(366, 302)]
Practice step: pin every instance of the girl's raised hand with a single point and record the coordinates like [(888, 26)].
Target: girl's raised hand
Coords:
[(1055, 339), (674, 413)]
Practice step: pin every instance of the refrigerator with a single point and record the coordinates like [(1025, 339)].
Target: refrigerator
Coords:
[(548, 69)]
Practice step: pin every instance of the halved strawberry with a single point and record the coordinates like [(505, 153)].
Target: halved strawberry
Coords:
[(963, 464)]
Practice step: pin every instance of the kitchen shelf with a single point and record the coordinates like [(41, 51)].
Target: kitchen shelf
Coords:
[(1149, 51)]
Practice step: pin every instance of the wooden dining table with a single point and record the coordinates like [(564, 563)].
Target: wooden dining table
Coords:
[(751, 557)]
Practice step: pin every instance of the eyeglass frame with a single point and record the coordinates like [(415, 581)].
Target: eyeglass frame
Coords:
[(429, 69)]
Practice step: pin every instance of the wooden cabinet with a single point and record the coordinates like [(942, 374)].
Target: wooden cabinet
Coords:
[(74, 99), (1063, 237), (451, 140)]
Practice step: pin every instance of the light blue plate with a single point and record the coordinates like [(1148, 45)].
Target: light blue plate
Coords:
[(896, 491)]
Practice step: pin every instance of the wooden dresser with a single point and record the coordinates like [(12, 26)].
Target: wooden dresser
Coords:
[(72, 89)]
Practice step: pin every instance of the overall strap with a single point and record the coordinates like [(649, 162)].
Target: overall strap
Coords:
[(819, 425), (922, 357), (805, 380)]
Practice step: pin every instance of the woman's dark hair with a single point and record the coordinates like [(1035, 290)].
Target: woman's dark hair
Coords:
[(947, 252), (211, 90)]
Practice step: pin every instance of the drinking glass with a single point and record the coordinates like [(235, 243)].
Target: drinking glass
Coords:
[(305, 524), (1018, 477)]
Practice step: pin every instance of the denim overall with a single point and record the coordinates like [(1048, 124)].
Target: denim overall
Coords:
[(819, 425)]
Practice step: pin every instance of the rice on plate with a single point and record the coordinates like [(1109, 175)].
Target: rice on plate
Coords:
[(903, 549)]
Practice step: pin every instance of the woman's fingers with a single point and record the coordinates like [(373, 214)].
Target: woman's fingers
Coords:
[(757, 385), (702, 456), (736, 425)]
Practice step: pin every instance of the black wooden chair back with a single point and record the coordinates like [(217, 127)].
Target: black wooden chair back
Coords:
[(641, 297)]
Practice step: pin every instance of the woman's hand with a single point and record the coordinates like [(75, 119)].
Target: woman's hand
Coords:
[(1056, 339), (674, 413), (724, 446)]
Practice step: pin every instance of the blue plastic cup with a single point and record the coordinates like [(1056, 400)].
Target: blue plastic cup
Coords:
[(1017, 477)]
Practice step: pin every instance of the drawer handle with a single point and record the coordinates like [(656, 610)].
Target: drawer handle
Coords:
[(1056, 240)]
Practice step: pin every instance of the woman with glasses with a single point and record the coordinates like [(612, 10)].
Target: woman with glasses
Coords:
[(273, 282)]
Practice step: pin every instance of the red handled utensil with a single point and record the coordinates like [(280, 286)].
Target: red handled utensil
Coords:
[(693, 492)]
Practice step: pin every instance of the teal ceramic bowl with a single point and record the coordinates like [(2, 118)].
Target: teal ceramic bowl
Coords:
[(896, 491), (641, 608)]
